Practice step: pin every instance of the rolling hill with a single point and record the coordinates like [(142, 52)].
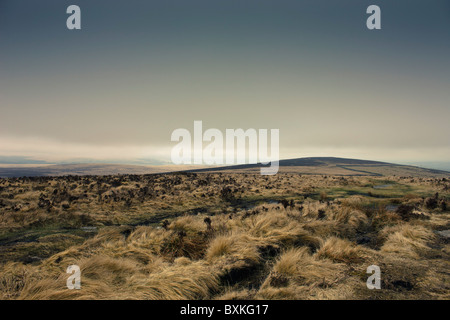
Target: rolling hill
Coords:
[(312, 165), (338, 166)]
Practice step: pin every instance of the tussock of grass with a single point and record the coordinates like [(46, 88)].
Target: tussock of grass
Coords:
[(341, 250), (278, 229), (301, 268), (106, 278), (13, 277), (350, 217), (297, 274), (233, 252), (406, 240), (192, 281)]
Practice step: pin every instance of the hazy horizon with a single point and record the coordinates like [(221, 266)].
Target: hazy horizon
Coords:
[(19, 161)]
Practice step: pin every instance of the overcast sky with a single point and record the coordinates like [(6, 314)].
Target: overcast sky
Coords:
[(137, 70)]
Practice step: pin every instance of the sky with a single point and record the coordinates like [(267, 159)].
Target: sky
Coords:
[(115, 90)]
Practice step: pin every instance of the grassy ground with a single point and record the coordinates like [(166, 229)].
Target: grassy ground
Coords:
[(224, 236)]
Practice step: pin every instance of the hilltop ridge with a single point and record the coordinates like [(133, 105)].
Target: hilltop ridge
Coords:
[(308, 165)]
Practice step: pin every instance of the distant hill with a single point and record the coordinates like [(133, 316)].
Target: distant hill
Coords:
[(84, 169), (314, 165), (337, 166)]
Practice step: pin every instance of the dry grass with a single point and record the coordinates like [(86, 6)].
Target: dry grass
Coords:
[(406, 240), (342, 250), (297, 274), (233, 249), (177, 237)]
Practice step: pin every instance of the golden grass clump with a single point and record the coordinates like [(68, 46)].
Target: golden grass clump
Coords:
[(325, 228), (178, 282), (299, 267), (353, 202), (383, 218), (297, 274), (108, 278), (113, 271), (233, 251), (406, 240), (341, 250), (276, 228), (13, 278), (189, 224), (346, 215)]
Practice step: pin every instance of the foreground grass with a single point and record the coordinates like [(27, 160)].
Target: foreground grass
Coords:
[(229, 237)]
